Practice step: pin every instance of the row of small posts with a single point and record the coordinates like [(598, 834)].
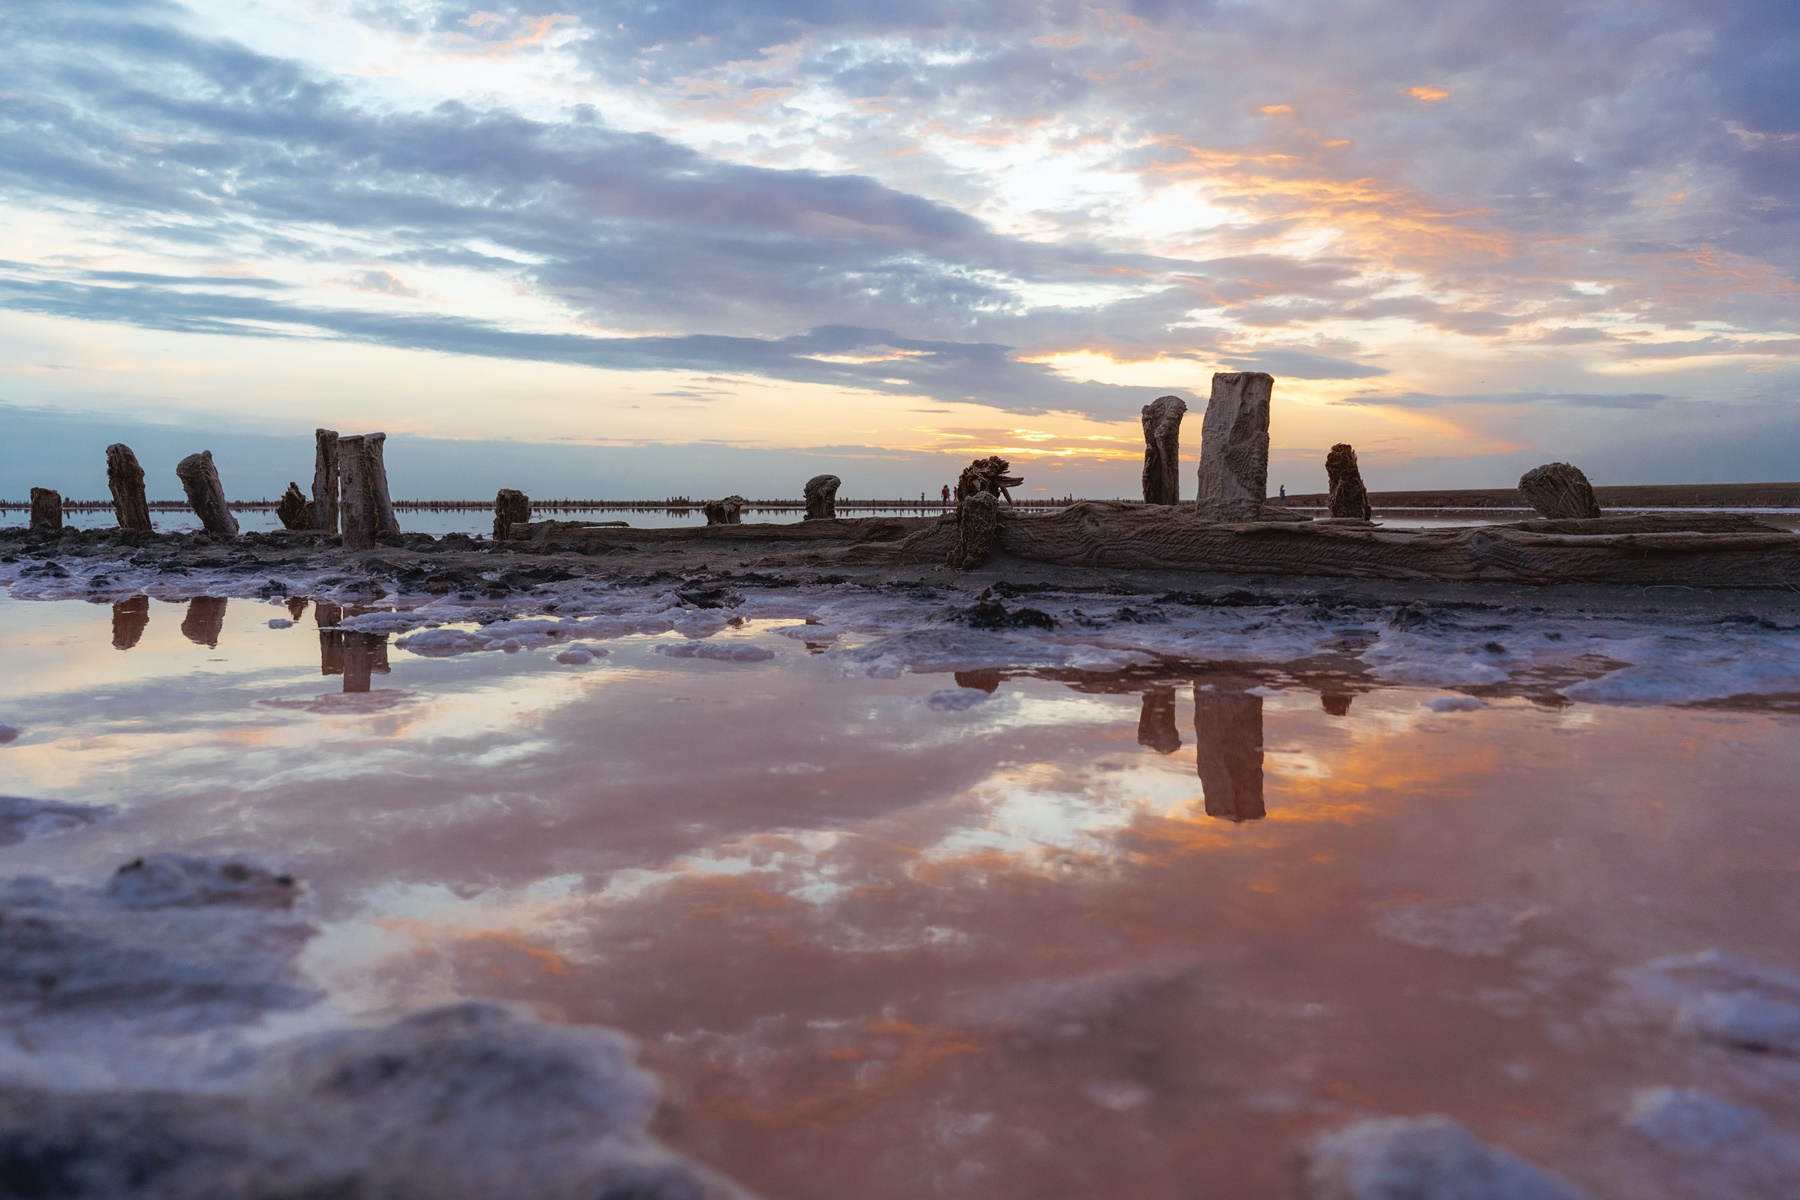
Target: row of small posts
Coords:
[(349, 492)]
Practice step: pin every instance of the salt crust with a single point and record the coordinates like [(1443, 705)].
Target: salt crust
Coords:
[(1420, 1158)]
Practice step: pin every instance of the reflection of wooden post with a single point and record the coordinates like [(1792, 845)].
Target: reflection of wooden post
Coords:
[(1234, 447), (129, 620), (125, 479), (46, 510), (1156, 722), (1228, 736), (511, 507), (363, 654), (205, 619), (325, 480), (331, 652), (206, 495), (1336, 703), (1162, 450)]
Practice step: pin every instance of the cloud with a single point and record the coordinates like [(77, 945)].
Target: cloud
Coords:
[(1555, 399)]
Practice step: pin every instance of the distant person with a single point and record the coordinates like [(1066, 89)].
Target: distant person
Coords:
[(1284, 491), (944, 497)]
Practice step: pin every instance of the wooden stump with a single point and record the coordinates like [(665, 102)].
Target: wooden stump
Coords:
[(130, 619), (1348, 497), (977, 531), (46, 510), (1234, 447), (1156, 722), (729, 511), (293, 509), (325, 481), (125, 479), (1228, 736), (365, 511), (1162, 449), (386, 523), (205, 618), (821, 497), (206, 495), (1559, 491), (991, 474), (510, 507)]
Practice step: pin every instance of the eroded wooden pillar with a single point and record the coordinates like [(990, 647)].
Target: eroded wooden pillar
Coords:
[(1348, 496), (1162, 449), (511, 507), (125, 479), (325, 481), (385, 521), (977, 530), (206, 495), (1559, 491), (46, 510), (356, 501), (1234, 447), (729, 511), (293, 509), (821, 497)]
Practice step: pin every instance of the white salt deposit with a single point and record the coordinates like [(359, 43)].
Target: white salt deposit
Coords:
[(1420, 1158), (956, 699)]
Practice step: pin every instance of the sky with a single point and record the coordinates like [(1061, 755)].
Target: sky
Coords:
[(698, 248)]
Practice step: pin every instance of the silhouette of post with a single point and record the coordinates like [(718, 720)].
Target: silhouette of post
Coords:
[(1156, 722), (46, 510), (125, 479), (511, 507), (129, 620), (1228, 737)]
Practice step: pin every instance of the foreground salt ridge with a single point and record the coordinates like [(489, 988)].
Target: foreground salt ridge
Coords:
[(892, 629), (142, 1059)]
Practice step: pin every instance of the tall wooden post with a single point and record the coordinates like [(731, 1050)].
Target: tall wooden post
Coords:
[(356, 501), (385, 521), (206, 495), (1162, 449), (46, 510), (125, 479), (511, 507), (1234, 447), (325, 481)]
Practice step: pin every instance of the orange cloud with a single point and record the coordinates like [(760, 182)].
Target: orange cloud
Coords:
[(1427, 93), (1273, 109)]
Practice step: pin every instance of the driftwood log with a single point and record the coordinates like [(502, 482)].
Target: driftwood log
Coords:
[(510, 507), (1234, 447), (46, 510), (1348, 497), (206, 495), (992, 475), (977, 525), (729, 511), (325, 481), (1559, 491), (1162, 450), (1228, 740), (821, 497), (1692, 551), (293, 508), (130, 619), (1156, 722), (125, 480)]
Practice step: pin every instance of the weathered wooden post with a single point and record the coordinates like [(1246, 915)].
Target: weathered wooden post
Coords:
[(1234, 447), (1228, 735), (46, 510), (206, 495), (1156, 721), (1559, 491), (205, 618), (385, 521), (729, 511), (356, 501), (325, 481), (510, 507), (1162, 450), (1348, 497), (293, 509), (130, 618), (125, 479), (821, 497), (977, 530)]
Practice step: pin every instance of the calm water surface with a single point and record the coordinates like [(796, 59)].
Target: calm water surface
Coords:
[(1117, 934)]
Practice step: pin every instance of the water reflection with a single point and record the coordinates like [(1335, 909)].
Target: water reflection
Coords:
[(355, 656), (1156, 721), (1336, 703), (205, 618), (129, 620), (1228, 731)]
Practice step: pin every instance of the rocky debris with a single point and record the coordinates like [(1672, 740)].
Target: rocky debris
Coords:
[(729, 511), (1347, 497), (206, 495), (988, 613), (511, 507), (1156, 721), (1234, 447), (821, 497), (46, 510), (977, 530), (1559, 491), (293, 509), (325, 481), (1419, 1158), (1162, 449), (125, 480), (992, 475)]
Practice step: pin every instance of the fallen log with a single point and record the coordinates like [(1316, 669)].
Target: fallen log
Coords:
[(1129, 536)]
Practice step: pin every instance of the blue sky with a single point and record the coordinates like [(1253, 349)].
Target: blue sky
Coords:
[(1466, 238)]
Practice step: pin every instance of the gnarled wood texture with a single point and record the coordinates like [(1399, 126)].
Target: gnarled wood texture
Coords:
[(293, 509), (992, 474), (1559, 491), (1348, 496), (977, 520), (46, 510), (125, 480), (821, 497), (206, 495), (325, 480), (1234, 447), (511, 507), (1162, 449), (729, 511), (386, 523)]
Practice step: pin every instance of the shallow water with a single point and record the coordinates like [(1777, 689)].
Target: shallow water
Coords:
[(898, 923)]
